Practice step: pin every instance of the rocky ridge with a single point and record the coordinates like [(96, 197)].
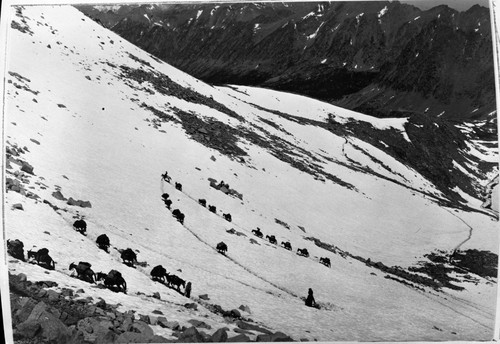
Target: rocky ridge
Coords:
[(43, 313)]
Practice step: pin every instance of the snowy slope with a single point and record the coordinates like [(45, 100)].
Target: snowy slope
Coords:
[(82, 118)]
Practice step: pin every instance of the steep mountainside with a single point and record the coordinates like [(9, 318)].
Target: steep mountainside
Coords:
[(398, 206), (390, 57)]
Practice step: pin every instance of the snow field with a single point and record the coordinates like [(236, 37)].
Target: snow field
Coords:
[(110, 156)]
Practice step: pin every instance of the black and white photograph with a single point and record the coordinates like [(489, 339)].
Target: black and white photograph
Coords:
[(195, 171)]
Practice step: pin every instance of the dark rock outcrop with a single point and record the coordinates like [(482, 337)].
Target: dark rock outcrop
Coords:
[(79, 203), (45, 315)]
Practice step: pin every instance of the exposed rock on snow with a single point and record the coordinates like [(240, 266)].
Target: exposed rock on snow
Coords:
[(58, 195), (79, 203)]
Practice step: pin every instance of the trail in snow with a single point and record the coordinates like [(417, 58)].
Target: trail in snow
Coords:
[(455, 310), (470, 304), (470, 230), (225, 276), (232, 259), (237, 225), (138, 244)]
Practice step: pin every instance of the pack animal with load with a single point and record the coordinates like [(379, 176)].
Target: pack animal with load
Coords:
[(113, 281), (80, 226), (42, 258), (129, 257), (83, 271), (102, 242), (222, 248)]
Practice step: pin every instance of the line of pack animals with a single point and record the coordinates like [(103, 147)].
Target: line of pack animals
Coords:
[(222, 247), (83, 270), (114, 279)]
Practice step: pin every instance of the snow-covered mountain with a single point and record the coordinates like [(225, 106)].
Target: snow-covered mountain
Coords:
[(91, 117)]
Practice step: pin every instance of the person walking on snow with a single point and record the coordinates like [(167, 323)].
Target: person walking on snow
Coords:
[(310, 302), (166, 177)]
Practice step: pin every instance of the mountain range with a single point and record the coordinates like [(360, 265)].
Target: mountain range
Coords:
[(383, 58)]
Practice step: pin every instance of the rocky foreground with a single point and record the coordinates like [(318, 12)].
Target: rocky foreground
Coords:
[(41, 314)]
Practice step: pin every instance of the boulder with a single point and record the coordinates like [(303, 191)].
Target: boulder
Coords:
[(191, 306), (56, 312), (101, 303), (156, 295), (77, 337), (105, 337), (47, 284), (244, 308), (219, 336), (281, 337), (22, 313), (79, 203), (28, 329), (143, 318), (163, 322), (127, 323), (152, 319), (275, 337), (27, 168), (173, 325), (18, 206), (191, 335), (15, 188), (52, 295), (141, 327), (85, 204), (42, 293), (52, 329), (160, 339), (247, 326), (92, 327), (58, 195), (36, 312), (133, 337), (204, 297), (239, 339), (235, 313), (200, 324)]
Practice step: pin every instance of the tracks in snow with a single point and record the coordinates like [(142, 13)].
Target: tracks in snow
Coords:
[(470, 230), (234, 261)]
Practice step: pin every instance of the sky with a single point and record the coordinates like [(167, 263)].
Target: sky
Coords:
[(460, 5)]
